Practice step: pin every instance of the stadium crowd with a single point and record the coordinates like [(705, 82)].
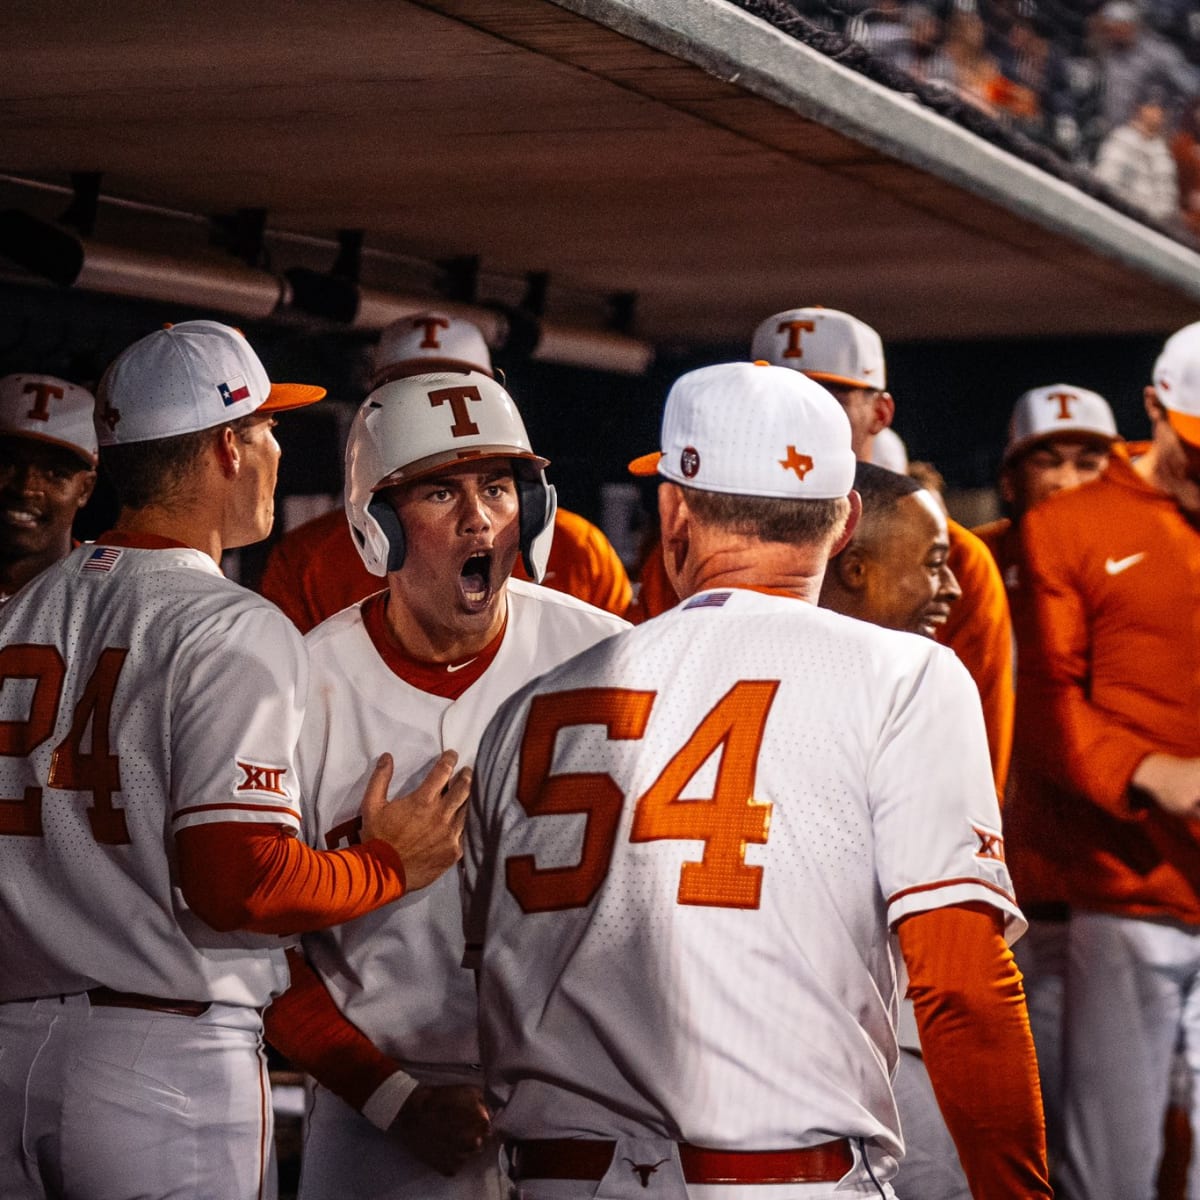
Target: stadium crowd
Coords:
[(1113, 87)]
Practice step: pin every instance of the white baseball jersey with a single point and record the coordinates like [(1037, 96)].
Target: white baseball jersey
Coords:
[(141, 693), (397, 972), (684, 853)]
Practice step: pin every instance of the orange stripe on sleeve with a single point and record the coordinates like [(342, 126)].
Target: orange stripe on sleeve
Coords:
[(258, 877), (970, 1009), (306, 1026)]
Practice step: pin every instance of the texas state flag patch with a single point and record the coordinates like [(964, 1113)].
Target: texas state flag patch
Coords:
[(233, 390)]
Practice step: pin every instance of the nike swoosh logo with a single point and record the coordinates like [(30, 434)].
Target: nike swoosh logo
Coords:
[(1114, 566), (458, 667)]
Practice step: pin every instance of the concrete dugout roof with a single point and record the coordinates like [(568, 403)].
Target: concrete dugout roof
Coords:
[(678, 149)]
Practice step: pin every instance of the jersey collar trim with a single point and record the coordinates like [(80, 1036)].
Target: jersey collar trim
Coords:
[(447, 680)]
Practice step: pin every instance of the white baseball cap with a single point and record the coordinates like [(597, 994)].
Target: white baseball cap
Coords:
[(889, 451), (752, 429), (188, 377), (1059, 408), (426, 342), (825, 344), (1177, 381), (51, 410)]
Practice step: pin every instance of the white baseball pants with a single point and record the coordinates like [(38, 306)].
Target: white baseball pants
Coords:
[(345, 1155), (1133, 987), (124, 1104)]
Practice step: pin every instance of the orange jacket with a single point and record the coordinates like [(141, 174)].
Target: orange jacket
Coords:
[(979, 631), (654, 591), (315, 571), (1003, 540), (1034, 847), (1109, 671)]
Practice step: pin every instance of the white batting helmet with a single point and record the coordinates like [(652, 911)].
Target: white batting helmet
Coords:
[(412, 427)]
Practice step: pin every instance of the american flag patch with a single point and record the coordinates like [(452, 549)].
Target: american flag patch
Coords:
[(233, 390), (103, 558), (708, 600)]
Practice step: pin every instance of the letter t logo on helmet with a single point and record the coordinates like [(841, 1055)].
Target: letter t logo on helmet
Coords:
[(414, 426)]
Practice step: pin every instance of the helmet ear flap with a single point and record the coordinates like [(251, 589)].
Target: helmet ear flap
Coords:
[(392, 530), (537, 504)]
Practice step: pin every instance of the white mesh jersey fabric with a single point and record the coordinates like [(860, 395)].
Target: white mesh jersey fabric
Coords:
[(397, 973), (720, 1017), (203, 684)]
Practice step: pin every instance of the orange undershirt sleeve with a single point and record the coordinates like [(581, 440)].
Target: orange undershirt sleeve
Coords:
[(260, 877), (970, 1008), (307, 1027)]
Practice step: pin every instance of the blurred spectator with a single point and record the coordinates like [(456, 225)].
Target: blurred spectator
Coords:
[(1129, 58), (1026, 65), (1185, 149), (927, 59), (975, 74), (1136, 162), (884, 31)]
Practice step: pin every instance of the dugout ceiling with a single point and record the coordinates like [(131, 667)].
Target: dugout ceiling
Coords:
[(542, 139)]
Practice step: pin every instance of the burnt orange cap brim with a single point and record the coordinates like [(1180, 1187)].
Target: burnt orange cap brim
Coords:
[(646, 464), (1184, 424), (283, 396), (843, 380)]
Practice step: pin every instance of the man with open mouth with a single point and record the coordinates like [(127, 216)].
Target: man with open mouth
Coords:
[(443, 494), (47, 472)]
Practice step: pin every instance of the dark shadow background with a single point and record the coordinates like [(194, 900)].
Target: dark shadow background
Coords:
[(952, 398)]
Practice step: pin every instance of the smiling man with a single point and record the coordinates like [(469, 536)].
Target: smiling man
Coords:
[(895, 570), (444, 495), (47, 472)]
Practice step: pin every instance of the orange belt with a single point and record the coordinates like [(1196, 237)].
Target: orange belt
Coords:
[(102, 997), (577, 1158)]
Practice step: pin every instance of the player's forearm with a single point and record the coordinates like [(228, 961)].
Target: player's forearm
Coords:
[(1076, 746), (307, 1027), (970, 1010), (256, 877)]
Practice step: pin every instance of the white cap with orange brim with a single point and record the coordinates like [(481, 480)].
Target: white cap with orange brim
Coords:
[(188, 377), (49, 409), (430, 341), (1058, 410), (827, 345), (752, 429), (1177, 381)]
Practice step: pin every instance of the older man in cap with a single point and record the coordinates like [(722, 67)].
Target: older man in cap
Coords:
[(691, 991)]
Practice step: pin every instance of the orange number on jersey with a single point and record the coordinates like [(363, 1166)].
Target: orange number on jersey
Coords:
[(71, 767), (731, 819), (23, 818), (624, 715), (726, 823), (96, 770)]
